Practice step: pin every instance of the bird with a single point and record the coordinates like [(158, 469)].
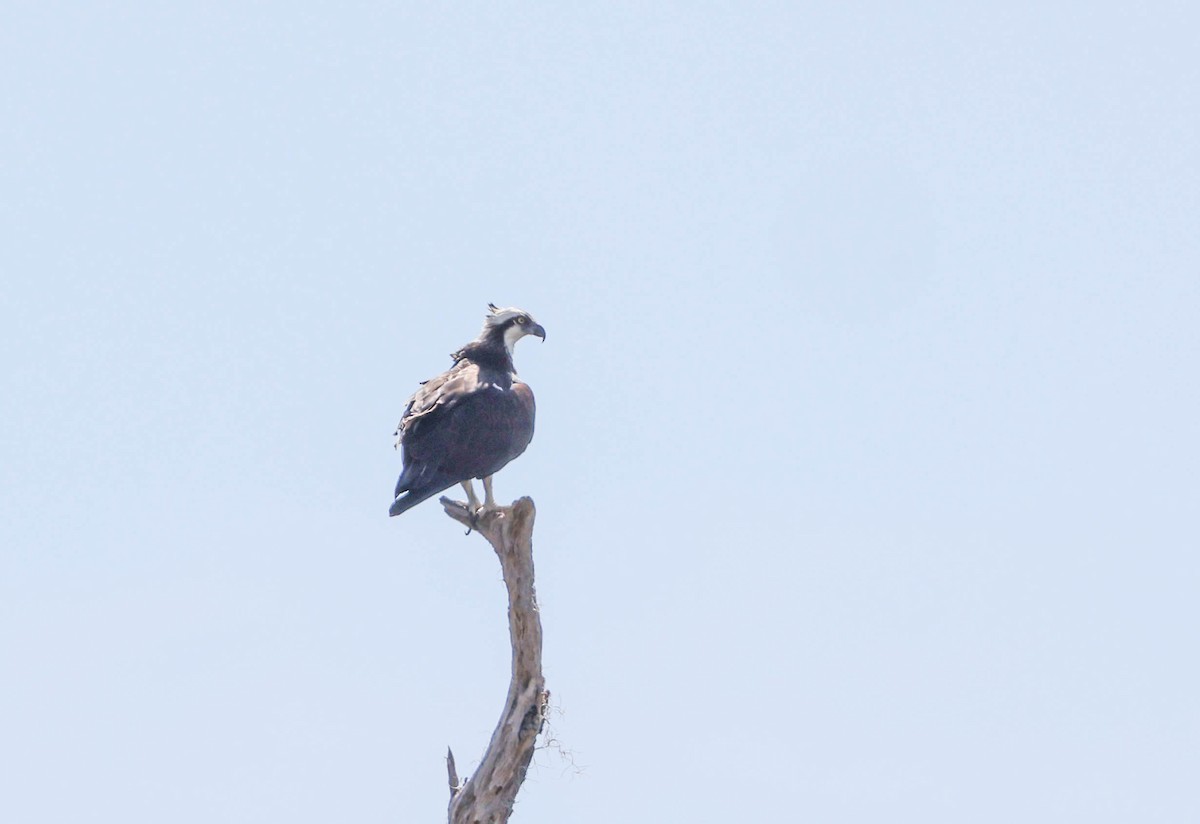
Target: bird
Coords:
[(469, 421)]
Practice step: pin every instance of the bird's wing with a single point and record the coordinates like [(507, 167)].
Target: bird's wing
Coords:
[(439, 394)]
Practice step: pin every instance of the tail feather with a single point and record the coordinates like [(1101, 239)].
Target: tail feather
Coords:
[(412, 497), (405, 482)]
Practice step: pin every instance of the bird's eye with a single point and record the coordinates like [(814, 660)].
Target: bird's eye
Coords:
[(522, 320)]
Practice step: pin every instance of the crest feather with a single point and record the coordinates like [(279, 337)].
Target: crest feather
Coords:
[(498, 316)]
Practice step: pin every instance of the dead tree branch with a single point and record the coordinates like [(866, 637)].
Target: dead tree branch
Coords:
[(487, 797)]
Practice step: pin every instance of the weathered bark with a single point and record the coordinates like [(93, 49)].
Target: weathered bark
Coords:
[(487, 797)]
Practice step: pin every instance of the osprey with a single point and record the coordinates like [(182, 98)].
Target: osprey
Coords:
[(469, 421)]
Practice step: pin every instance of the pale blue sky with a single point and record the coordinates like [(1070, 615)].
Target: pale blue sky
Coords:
[(869, 421)]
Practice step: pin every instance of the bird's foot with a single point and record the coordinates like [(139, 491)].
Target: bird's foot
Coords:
[(480, 513), (471, 514)]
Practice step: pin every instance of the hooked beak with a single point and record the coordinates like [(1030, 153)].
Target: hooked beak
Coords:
[(537, 329)]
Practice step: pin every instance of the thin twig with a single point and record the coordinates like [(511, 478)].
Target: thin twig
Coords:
[(452, 773)]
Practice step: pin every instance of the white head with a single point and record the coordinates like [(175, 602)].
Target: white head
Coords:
[(510, 325)]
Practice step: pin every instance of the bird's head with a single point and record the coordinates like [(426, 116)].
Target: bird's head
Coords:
[(510, 325)]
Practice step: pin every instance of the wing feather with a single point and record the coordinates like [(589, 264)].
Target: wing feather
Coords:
[(438, 395)]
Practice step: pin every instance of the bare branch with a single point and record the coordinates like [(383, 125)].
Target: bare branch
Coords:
[(452, 772), (487, 797)]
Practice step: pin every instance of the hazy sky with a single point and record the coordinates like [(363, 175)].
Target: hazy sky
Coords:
[(867, 453)]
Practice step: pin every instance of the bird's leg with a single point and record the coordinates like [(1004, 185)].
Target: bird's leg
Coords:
[(472, 501), (472, 504), (488, 501)]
